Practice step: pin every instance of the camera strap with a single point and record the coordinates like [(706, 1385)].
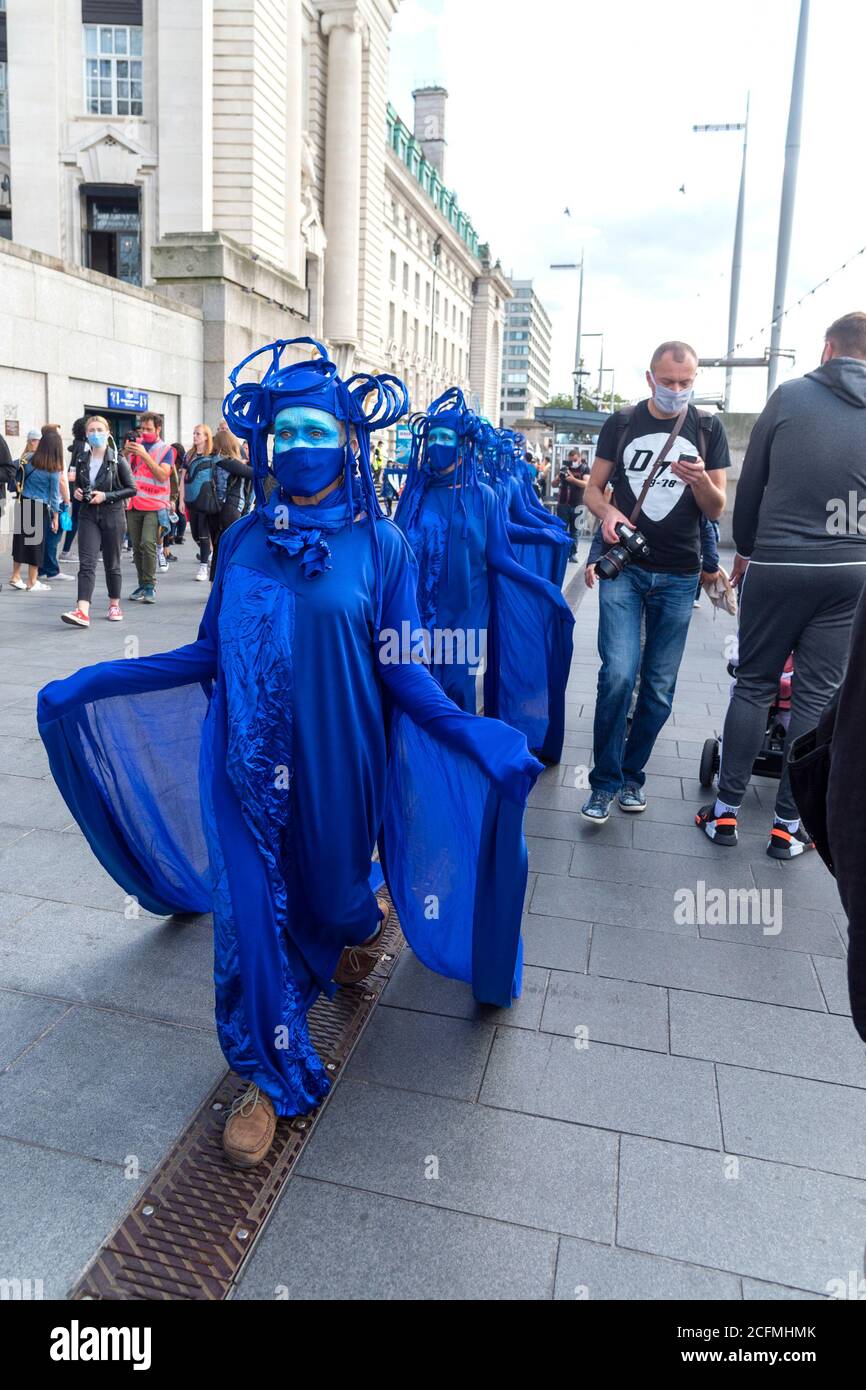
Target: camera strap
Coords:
[(668, 445)]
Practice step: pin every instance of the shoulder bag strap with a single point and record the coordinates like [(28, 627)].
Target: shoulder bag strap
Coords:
[(668, 445)]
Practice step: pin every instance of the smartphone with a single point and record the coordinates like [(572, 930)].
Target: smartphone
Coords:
[(687, 458)]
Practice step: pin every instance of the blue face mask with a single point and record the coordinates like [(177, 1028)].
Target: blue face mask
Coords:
[(440, 456), (304, 471), (670, 402), (97, 440)]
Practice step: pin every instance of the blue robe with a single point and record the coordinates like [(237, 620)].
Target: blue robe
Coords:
[(475, 583), (293, 748), (539, 539)]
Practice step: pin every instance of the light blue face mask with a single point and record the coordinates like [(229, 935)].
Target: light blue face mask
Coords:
[(98, 439), (670, 402)]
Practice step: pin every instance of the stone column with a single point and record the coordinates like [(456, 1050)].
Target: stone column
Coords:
[(185, 96), (343, 29), (294, 131)]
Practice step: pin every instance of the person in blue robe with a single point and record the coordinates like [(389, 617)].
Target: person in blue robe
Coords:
[(299, 731), (499, 636), (541, 543)]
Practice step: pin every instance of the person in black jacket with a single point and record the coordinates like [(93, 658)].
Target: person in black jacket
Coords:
[(845, 836), (77, 451), (103, 484)]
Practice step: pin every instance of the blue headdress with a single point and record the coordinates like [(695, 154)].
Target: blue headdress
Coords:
[(448, 411), (363, 402)]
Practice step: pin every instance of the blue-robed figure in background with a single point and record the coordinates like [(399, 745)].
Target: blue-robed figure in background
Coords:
[(540, 540), (500, 637), (303, 733)]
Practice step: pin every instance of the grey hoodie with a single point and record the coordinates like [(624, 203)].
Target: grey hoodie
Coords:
[(804, 473)]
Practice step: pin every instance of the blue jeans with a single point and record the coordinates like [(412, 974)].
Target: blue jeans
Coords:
[(49, 569), (664, 602)]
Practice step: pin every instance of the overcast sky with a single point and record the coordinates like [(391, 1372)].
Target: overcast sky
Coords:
[(567, 103)]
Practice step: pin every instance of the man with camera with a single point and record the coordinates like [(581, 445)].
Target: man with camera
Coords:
[(665, 463)]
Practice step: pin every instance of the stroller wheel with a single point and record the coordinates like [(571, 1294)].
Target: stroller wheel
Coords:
[(709, 762)]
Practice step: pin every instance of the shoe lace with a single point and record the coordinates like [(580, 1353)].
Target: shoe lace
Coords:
[(250, 1098)]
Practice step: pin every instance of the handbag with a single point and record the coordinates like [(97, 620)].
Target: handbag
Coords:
[(65, 518)]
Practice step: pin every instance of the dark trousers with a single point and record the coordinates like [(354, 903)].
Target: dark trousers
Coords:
[(143, 528), (568, 514), (807, 610), (229, 514), (205, 532), (100, 529)]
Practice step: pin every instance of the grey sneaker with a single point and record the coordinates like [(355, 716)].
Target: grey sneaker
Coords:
[(597, 809), (632, 798)]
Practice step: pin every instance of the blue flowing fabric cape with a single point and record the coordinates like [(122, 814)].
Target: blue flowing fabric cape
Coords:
[(528, 622), (539, 540), (252, 772)]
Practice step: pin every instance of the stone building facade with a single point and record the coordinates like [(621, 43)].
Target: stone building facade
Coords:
[(237, 160)]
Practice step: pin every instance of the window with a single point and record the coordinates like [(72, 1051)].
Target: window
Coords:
[(112, 236), (405, 326), (437, 304), (405, 277), (391, 321), (4, 107), (417, 286), (415, 338), (112, 70), (427, 294), (426, 340)]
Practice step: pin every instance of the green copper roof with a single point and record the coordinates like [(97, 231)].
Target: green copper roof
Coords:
[(409, 152)]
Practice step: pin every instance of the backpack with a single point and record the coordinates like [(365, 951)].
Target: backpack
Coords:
[(705, 425), (200, 487)]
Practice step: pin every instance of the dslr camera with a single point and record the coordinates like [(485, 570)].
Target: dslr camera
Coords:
[(632, 546)]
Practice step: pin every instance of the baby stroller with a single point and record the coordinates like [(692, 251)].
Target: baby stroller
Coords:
[(770, 761)]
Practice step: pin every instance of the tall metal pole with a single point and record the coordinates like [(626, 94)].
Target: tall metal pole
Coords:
[(601, 369), (577, 366), (736, 264), (789, 190)]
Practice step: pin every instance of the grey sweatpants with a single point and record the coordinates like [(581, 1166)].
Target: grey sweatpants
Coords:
[(804, 609)]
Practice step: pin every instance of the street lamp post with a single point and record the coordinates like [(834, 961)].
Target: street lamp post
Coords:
[(736, 264), (789, 191), (577, 373)]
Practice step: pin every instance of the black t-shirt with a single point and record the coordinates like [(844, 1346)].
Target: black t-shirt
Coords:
[(670, 517)]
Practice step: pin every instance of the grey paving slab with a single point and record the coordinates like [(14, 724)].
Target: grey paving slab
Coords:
[(556, 943), (55, 1211), (423, 1052), (518, 1168), (328, 1242), (604, 1272), (25, 758), (684, 838), (23, 1019), (563, 821), (754, 1291), (781, 1224), (61, 868), (806, 879), (799, 928), (548, 856), (709, 967), (792, 1120), (31, 802), (13, 906), (151, 966), (613, 1011), (833, 976), (614, 903), (105, 1085), (655, 869), (413, 986), (608, 1087), (796, 1042), (670, 788)]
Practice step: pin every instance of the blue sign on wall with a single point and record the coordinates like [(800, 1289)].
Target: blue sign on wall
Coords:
[(125, 398), (403, 446)]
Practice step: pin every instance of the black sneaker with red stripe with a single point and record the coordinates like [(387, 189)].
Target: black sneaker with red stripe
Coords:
[(722, 830), (787, 844)]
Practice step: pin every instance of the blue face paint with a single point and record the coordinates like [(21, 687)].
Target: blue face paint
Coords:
[(309, 450), (441, 451)]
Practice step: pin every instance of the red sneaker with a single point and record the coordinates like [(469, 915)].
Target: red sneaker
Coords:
[(76, 618), (114, 614)]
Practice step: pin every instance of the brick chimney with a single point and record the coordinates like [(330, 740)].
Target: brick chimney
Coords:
[(430, 124)]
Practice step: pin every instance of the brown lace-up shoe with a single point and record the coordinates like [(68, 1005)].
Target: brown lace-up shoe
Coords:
[(356, 962), (249, 1129)]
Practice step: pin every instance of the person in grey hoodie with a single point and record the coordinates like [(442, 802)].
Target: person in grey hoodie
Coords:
[(801, 567)]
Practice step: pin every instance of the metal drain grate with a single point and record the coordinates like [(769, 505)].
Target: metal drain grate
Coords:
[(188, 1234)]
